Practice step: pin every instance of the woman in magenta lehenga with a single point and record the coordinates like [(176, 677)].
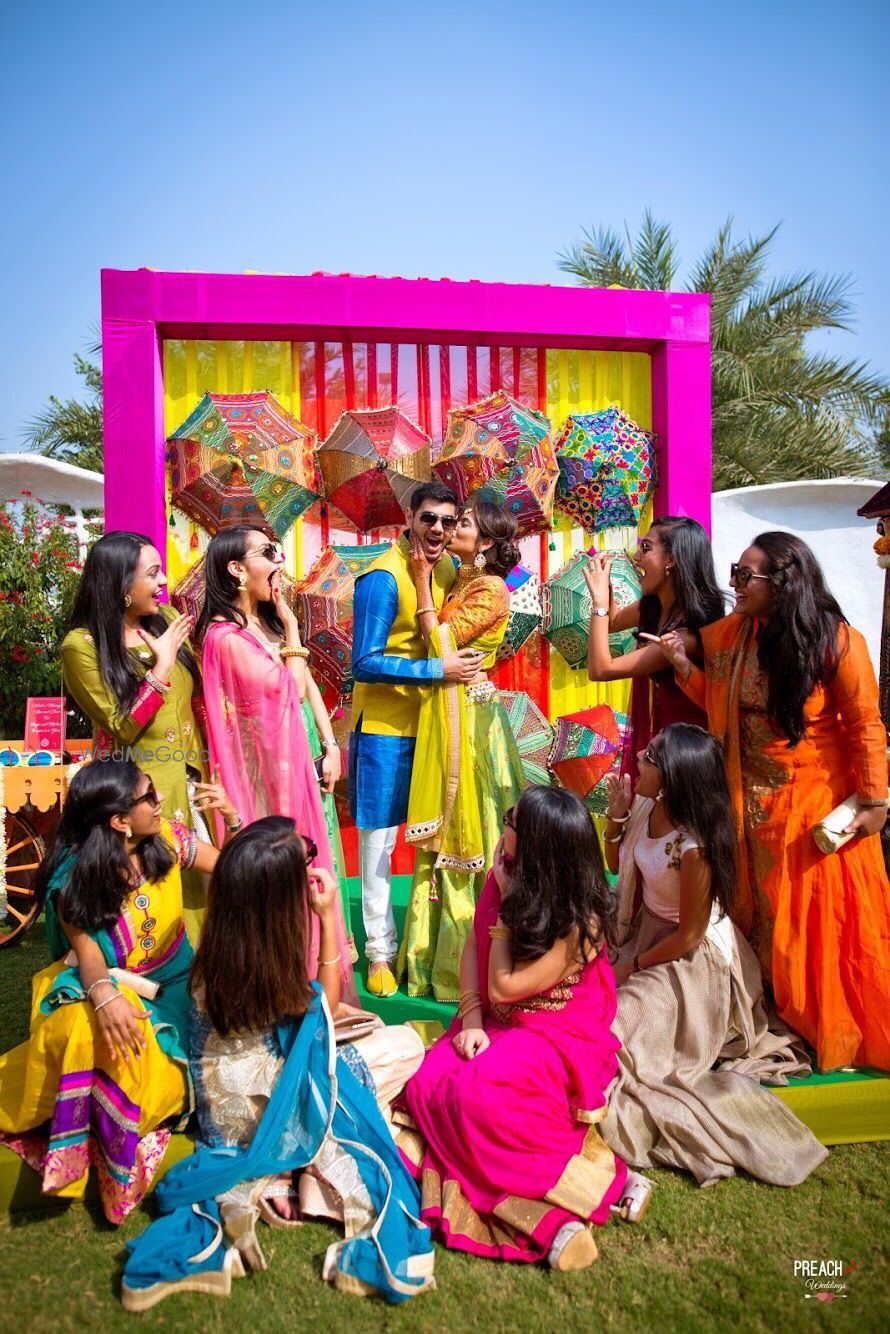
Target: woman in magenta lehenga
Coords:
[(679, 592), (500, 1124), (254, 671)]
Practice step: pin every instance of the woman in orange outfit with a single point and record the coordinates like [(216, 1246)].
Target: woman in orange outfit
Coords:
[(790, 692)]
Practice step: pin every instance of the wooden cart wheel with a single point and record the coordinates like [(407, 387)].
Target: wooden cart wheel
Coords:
[(25, 850)]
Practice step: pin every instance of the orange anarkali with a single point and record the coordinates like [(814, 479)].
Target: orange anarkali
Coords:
[(819, 923)]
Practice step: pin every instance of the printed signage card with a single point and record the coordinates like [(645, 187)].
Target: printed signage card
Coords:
[(45, 721)]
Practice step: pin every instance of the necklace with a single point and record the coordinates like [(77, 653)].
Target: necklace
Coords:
[(466, 574)]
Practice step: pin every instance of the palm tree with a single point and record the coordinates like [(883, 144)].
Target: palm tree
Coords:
[(72, 430), (780, 410)]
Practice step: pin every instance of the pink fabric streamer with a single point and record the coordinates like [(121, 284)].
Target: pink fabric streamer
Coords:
[(257, 737)]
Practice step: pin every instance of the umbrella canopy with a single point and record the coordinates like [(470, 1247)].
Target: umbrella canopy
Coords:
[(525, 611), (587, 746), (502, 450), (607, 469), (566, 608), (276, 480), (533, 732), (597, 799), (371, 462), (323, 602)]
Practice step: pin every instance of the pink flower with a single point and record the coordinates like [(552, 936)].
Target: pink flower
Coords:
[(26, 493)]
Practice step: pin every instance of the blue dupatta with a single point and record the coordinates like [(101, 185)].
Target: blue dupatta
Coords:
[(313, 1097)]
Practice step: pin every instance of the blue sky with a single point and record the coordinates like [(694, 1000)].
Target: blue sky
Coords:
[(458, 139)]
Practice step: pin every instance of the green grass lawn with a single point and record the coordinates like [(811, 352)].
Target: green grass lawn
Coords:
[(716, 1259)]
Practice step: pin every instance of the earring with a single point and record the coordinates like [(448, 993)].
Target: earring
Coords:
[(659, 794), (128, 601), (668, 569), (242, 580), (479, 560), (128, 831)]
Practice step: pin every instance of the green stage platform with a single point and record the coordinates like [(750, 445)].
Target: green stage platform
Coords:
[(840, 1108)]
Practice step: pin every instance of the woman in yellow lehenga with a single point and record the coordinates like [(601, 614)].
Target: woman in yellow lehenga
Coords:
[(467, 772), (105, 1067)]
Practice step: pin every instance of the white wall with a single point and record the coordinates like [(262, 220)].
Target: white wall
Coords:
[(823, 514)]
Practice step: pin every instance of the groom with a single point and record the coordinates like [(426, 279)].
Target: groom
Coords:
[(389, 663)]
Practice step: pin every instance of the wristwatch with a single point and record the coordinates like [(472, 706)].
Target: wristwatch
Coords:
[(600, 611)]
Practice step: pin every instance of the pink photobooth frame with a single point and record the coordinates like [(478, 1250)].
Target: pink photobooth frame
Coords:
[(142, 308)]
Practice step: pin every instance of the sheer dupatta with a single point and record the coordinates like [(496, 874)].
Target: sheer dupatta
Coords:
[(256, 735)]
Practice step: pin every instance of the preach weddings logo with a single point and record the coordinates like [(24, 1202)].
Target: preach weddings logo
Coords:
[(825, 1280)]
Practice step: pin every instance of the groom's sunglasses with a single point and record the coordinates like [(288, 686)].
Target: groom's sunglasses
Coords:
[(448, 521)]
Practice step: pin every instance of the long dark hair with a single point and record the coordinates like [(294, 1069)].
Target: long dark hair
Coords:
[(108, 574), (697, 598), (558, 880), (256, 975), (103, 874), (798, 646), (696, 798), (499, 526), (221, 586)]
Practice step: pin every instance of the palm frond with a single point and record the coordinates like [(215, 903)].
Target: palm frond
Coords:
[(654, 254), (600, 260)]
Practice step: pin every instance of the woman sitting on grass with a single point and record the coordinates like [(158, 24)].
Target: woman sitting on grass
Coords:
[(275, 1094), (106, 1063), (502, 1125), (696, 1037)]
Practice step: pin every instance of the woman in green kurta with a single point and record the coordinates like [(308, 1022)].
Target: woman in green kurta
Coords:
[(127, 664)]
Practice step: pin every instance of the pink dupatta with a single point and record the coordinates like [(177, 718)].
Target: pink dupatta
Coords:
[(256, 735)]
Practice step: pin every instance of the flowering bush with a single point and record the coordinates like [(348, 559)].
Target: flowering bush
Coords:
[(39, 571)]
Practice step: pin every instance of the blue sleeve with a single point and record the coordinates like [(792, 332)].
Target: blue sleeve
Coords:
[(374, 610)]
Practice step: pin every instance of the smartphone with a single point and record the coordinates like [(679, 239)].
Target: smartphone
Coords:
[(319, 772)]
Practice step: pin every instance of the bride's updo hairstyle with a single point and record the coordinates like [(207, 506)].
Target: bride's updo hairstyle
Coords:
[(499, 527)]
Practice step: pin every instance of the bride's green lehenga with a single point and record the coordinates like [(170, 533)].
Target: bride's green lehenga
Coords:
[(329, 807), (470, 775)]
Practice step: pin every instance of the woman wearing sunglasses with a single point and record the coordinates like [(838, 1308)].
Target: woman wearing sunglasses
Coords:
[(679, 592), (693, 1024), (257, 677), (791, 694), (106, 1063), (127, 664), (468, 771), (275, 1095)]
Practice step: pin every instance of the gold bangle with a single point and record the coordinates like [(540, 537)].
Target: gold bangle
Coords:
[(294, 653), (422, 611), (324, 963), (616, 839), (499, 932)]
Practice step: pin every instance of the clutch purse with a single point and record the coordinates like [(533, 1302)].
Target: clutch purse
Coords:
[(351, 1027), (828, 834)]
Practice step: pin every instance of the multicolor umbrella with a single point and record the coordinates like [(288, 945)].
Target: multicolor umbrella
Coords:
[(607, 469), (566, 608), (587, 745), (502, 450), (597, 799), (371, 462), (533, 732), (323, 602), (525, 611), (243, 457)]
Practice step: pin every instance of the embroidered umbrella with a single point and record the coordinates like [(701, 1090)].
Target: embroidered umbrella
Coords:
[(566, 608), (587, 746), (502, 450), (243, 458), (579, 491), (607, 469), (371, 462), (323, 604), (597, 799), (525, 611), (533, 732)]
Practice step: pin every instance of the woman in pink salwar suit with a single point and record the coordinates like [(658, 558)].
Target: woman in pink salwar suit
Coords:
[(255, 729), (500, 1122)]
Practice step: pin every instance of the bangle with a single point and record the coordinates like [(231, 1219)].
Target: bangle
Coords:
[(618, 819), (616, 838), (156, 684), (872, 803), (294, 653), (98, 982), (233, 828), (331, 743), (499, 932), (637, 968), (118, 995), (324, 963), (422, 611), (684, 679)]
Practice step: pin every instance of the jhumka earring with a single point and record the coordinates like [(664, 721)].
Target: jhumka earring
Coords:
[(479, 560), (242, 580)]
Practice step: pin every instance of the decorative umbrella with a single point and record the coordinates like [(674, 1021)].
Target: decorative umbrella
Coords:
[(324, 596), (566, 608), (276, 455), (525, 611), (607, 469), (371, 462), (534, 735), (502, 450), (597, 798), (587, 745)]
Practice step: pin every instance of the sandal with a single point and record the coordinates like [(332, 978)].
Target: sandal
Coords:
[(573, 1248), (634, 1198)]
